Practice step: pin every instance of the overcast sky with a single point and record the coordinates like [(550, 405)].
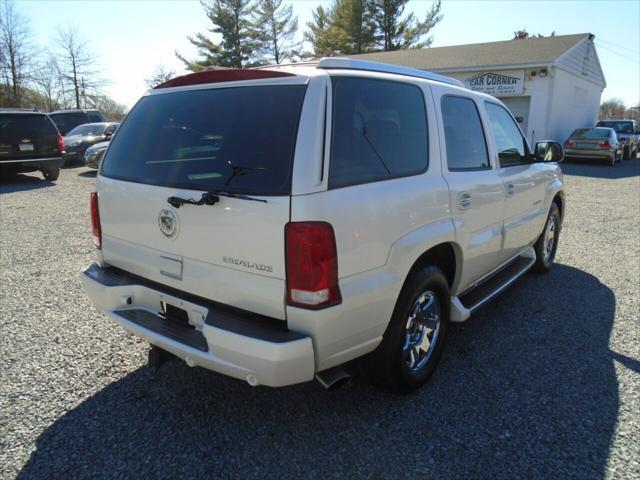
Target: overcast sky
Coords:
[(131, 38)]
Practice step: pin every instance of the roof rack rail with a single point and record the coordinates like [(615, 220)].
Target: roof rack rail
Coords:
[(354, 64), (16, 109)]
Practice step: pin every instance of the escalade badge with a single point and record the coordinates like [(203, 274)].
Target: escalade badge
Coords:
[(168, 223)]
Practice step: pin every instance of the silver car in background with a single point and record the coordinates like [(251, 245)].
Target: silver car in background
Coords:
[(93, 155), (597, 143), (628, 135)]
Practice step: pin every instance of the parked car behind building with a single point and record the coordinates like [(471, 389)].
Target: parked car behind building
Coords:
[(596, 143), (66, 120), (29, 141), (83, 136), (627, 133)]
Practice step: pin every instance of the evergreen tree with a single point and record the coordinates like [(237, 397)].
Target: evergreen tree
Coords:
[(276, 28), (231, 19), (353, 29), (397, 33), (317, 33)]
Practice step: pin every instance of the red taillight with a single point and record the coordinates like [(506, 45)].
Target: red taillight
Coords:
[(312, 265), (60, 143), (95, 221), (569, 144), (604, 144)]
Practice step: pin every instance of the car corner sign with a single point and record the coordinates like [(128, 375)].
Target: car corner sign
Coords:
[(496, 83)]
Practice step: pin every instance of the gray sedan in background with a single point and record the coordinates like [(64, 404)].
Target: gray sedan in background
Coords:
[(597, 143), (93, 155)]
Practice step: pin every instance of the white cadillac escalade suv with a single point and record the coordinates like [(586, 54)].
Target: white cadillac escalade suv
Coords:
[(272, 224)]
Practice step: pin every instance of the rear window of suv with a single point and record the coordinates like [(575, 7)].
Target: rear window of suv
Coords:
[(15, 128), (619, 127), (239, 139), (66, 121)]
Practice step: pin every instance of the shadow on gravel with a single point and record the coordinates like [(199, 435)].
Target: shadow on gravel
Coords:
[(527, 388), (595, 169), (88, 174), (22, 182)]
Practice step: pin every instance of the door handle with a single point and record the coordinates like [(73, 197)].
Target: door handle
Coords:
[(510, 189), (464, 200)]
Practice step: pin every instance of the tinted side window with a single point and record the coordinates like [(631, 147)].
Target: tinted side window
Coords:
[(512, 149), (95, 117), (111, 128), (379, 131), (464, 136)]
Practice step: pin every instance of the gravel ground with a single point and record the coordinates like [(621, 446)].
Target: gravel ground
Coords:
[(543, 383)]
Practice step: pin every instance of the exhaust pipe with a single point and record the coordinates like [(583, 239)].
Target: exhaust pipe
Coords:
[(333, 378)]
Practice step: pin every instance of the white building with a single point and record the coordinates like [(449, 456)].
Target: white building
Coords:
[(552, 84)]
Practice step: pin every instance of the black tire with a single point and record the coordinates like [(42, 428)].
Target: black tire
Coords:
[(51, 174), (543, 262), (388, 366)]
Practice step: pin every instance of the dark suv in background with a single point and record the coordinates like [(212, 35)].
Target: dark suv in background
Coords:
[(628, 135), (67, 120), (30, 141)]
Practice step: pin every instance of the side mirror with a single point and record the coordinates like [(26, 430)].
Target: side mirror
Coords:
[(549, 151)]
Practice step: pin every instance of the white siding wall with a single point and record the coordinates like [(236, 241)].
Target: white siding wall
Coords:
[(538, 89), (575, 103), (582, 61)]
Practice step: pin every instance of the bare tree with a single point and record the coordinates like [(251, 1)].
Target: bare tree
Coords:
[(160, 75), (17, 51), (112, 110), (77, 65), (612, 108), (47, 82)]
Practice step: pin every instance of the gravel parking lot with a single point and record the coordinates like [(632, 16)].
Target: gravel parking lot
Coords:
[(543, 383)]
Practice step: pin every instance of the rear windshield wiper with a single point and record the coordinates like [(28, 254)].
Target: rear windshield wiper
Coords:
[(209, 198), (239, 170)]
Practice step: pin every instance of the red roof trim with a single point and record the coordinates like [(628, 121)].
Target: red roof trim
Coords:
[(222, 75)]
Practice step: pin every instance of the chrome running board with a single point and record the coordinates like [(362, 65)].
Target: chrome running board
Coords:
[(498, 282)]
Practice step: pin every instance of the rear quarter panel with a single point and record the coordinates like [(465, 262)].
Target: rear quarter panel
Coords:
[(381, 229)]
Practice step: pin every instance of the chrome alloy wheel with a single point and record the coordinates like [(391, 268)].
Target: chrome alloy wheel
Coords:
[(421, 331), (549, 238)]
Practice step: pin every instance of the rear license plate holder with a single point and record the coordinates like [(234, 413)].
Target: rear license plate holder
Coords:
[(26, 147)]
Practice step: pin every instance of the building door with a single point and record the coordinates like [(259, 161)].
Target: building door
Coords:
[(519, 107)]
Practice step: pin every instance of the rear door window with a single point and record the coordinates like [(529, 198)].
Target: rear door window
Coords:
[(379, 131), (464, 135), (238, 139)]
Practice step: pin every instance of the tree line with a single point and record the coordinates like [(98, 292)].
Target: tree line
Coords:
[(66, 75), (260, 32), (615, 108)]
